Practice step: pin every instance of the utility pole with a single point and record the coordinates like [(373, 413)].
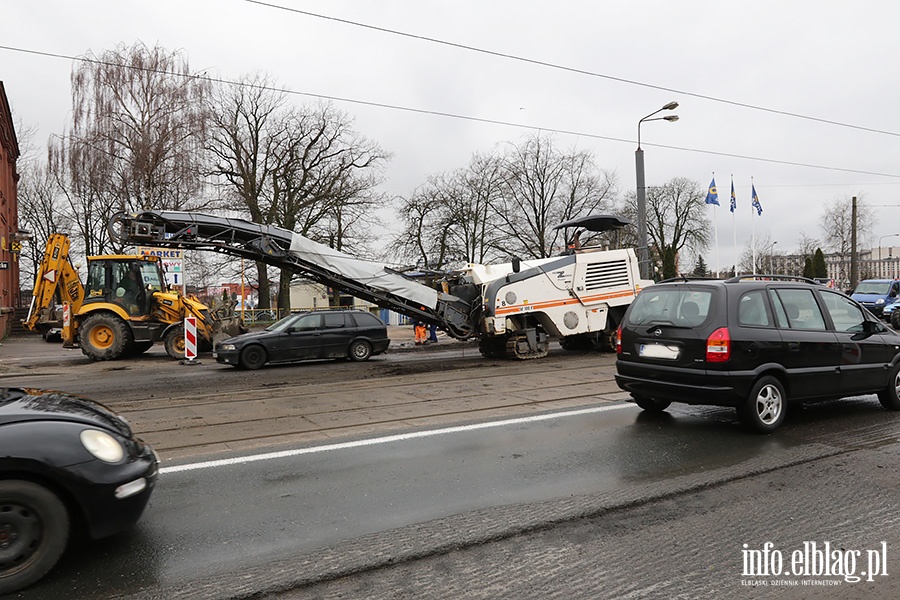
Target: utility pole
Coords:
[(854, 268)]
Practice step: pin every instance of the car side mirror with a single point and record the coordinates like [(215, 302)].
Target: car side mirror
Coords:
[(873, 327)]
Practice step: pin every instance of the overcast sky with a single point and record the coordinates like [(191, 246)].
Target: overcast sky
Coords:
[(828, 60)]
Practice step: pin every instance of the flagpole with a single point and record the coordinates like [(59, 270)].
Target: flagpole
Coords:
[(716, 233), (712, 197), (716, 224), (753, 231), (733, 228)]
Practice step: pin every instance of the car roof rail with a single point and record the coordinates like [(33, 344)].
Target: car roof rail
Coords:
[(765, 277), (687, 278)]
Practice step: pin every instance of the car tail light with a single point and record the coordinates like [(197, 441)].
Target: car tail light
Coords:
[(619, 340), (718, 346)]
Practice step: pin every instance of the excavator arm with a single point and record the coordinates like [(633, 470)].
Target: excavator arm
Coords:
[(288, 250), (57, 282)]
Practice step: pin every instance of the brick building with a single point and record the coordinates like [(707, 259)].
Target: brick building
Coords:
[(10, 237)]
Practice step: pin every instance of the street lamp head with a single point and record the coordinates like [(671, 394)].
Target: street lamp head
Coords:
[(671, 118), (670, 106)]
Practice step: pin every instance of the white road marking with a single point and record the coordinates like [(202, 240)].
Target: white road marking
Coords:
[(402, 437)]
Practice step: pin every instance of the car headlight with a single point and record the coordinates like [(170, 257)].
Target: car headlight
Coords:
[(226, 346), (102, 445), (879, 301)]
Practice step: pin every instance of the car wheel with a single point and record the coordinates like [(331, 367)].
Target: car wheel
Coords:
[(651, 404), (175, 342), (895, 319), (34, 529), (253, 357), (890, 396), (764, 409), (360, 350)]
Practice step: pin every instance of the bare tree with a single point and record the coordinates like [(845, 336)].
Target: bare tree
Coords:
[(676, 222), (40, 210), (248, 131), (423, 238), (325, 165), (543, 187), (765, 253), (448, 219), (836, 223), (304, 169), (502, 204), (470, 194), (138, 122), (87, 202)]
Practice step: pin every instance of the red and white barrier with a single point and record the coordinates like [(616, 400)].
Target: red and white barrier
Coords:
[(190, 338)]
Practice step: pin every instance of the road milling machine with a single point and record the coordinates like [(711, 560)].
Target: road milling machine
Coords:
[(122, 311), (512, 308)]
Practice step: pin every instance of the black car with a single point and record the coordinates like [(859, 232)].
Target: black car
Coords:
[(64, 460), (754, 344), (353, 334)]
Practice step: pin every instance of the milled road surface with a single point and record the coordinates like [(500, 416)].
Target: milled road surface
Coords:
[(188, 411)]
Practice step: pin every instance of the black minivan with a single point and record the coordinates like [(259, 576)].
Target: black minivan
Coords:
[(754, 343)]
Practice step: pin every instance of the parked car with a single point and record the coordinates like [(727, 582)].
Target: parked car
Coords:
[(754, 345), (887, 314), (64, 460), (353, 334), (875, 294)]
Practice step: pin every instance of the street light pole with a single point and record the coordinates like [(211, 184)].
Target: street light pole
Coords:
[(879, 244), (643, 245)]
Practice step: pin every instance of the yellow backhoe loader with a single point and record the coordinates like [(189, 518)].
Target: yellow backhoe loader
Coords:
[(122, 311)]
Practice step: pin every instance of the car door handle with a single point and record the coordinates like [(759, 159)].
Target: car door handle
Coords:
[(794, 346)]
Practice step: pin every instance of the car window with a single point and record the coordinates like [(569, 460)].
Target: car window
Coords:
[(845, 314), (780, 315), (334, 320), (308, 322), (878, 288), (367, 320), (801, 309), (752, 310), (679, 306)]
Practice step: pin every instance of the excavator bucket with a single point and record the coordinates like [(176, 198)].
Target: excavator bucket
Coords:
[(228, 328), (226, 323)]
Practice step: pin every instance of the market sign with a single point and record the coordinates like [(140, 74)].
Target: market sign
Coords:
[(172, 260)]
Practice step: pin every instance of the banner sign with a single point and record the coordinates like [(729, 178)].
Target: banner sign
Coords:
[(172, 260)]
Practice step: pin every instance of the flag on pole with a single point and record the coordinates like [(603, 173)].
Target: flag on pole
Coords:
[(733, 198), (712, 196), (755, 202)]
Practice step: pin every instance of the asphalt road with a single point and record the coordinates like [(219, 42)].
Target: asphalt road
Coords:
[(497, 479)]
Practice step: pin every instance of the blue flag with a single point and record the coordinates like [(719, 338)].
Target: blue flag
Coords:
[(755, 202), (712, 196), (733, 199)]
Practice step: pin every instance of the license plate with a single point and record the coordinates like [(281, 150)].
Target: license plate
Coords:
[(215, 355), (659, 351)]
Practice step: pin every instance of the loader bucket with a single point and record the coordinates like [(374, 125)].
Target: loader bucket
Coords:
[(227, 328)]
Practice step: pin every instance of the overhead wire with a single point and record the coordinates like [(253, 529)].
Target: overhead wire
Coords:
[(211, 79), (578, 71)]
